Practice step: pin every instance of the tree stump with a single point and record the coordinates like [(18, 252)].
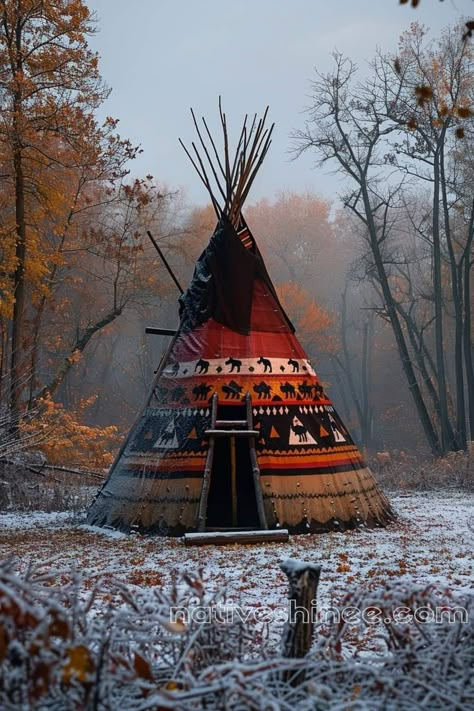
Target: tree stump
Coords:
[(298, 633)]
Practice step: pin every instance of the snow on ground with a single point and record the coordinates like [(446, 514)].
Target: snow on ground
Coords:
[(38, 519), (432, 542)]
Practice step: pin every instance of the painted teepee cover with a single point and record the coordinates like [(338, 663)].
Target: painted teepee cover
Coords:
[(235, 338)]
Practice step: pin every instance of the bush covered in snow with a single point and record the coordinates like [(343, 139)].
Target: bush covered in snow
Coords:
[(65, 644)]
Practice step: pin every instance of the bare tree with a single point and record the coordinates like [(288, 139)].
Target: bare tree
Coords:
[(424, 145), (346, 129)]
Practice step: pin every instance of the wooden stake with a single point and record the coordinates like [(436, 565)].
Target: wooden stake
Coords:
[(303, 579)]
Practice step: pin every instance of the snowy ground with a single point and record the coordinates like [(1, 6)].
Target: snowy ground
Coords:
[(432, 542)]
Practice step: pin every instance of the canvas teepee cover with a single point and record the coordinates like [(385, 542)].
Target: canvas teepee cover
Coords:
[(235, 340)]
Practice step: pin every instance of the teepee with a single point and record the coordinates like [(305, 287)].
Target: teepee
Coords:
[(237, 431)]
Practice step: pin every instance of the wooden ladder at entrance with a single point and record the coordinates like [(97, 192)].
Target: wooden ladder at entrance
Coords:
[(231, 429)]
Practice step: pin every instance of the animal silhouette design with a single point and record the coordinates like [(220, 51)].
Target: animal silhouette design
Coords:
[(201, 392), (301, 432), (234, 364), (174, 370), (295, 365), (267, 366), (166, 437), (232, 390), (306, 390), (263, 390), (161, 394), (318, 392), (288, 389), (202, 366), (178, 392)]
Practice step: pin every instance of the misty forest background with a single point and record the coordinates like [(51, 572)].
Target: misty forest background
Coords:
[(377, 281)]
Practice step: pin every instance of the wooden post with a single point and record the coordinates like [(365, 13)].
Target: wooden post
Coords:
[(298, 633), (206, 480), (233, 479), (255, 468)]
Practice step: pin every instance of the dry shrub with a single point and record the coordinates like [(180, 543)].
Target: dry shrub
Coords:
[(402, 472), (49, 490), (73, 647)]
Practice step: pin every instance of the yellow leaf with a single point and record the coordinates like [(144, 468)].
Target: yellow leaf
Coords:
[(79, 665)]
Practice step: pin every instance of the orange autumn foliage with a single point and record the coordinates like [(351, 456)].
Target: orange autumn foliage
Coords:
[(66, 439), (312, 322)]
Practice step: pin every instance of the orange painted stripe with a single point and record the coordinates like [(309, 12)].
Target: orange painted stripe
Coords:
[(293, 463)]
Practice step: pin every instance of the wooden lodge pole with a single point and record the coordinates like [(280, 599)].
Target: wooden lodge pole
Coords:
[(206, 481), (255, 468), (165, 262)]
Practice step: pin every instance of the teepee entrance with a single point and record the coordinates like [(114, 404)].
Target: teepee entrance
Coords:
[(232, 501), (231, 497)]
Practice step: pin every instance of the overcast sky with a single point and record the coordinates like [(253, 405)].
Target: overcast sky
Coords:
[(162, 56)]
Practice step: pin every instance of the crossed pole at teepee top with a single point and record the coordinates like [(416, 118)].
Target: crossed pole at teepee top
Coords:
[(232, 176)]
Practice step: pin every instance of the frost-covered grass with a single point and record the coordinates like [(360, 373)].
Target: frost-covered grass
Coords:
[(430, 543), (105, 640)]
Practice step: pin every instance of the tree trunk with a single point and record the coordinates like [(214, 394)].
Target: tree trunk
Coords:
[(461, 426), (438, 308), (347, 368), (34, 351), (18, 320), (457, 296), (467, 338), (367, 382), (3, 356), (19, 286), (338, 369), (407, 365), (78, 348), (420, 352)]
